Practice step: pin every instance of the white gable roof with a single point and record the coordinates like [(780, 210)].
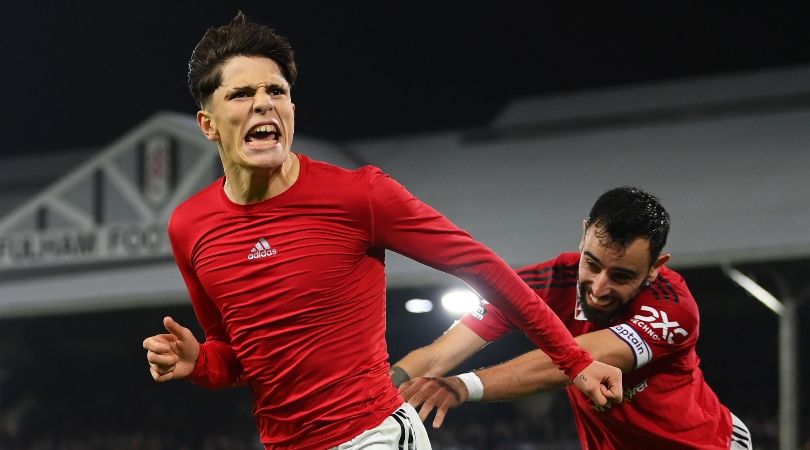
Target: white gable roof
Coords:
[(96, 237)]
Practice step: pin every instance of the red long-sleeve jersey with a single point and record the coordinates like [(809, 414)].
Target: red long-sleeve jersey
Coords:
[(667, 403), (290, 292)]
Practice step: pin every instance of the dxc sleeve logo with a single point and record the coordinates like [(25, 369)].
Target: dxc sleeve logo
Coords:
[(658, 320)]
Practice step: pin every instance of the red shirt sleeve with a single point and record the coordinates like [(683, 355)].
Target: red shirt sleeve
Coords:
[(546, 279), (405, 224), (217, 366), (487, 322)]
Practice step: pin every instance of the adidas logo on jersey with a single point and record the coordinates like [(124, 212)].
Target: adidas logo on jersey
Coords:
[(262, 249)]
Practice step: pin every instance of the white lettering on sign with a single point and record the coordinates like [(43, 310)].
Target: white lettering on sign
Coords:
[(115, 242)]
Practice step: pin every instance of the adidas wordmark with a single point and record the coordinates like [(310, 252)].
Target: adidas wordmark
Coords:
[(262, 249)]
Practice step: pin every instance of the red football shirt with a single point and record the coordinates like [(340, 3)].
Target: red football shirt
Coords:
[(667, 403), (291, 295)]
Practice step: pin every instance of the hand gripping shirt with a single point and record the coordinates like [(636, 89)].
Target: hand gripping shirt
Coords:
[(290, 292), (667, 403)]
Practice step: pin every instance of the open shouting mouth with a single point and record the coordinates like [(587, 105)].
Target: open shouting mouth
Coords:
[(263, 135)]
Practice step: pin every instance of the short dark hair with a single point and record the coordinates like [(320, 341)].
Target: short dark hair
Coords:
[(238, 38), (626, 213)]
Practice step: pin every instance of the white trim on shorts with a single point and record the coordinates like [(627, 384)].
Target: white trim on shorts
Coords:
[(740, 436), (402, 430)]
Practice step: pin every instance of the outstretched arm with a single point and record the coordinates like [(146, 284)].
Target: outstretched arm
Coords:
[(402, 223), (534, 372), (525, 375), (445, 353)]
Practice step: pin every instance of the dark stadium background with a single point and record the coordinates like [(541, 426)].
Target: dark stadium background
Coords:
[(90, 70), (80, 75)]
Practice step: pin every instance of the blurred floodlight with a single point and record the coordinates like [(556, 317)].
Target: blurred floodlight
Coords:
[(460, 301), (418, 305)]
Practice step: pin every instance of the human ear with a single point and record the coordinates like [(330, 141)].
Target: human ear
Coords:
[(656, 267), (584, 232), (207, 125)]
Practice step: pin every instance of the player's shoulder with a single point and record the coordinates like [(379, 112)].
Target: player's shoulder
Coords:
[(670, 286), (198, 206), (352, 187), (567, 260), (561, 268), (553, 279), (345, 181), (187, 219), (667, 301), (321, 168)]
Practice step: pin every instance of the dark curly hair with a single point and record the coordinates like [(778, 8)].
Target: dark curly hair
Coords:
[(238, 38), (626, 213)]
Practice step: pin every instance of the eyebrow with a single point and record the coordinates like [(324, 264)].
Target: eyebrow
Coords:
[(629, 272), (253, 87), (245, 87)]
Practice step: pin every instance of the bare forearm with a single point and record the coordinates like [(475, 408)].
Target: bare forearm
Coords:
[(443, 355), (425, 362), (415, 363), (525, 375), (534, 372)]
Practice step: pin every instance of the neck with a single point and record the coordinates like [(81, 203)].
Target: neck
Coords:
[(245, 185)]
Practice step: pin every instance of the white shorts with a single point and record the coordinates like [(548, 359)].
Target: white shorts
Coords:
[(740, 436), (402, 430)]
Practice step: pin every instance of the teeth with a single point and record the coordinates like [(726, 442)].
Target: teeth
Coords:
[(263, 129), (599, 302)]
